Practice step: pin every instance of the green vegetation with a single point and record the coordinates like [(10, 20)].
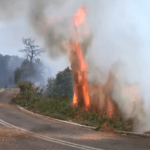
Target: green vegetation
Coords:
[(61, 85), (60, 107)]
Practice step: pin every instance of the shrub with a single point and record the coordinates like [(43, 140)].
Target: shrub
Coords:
[(60, 107), (25, 86)]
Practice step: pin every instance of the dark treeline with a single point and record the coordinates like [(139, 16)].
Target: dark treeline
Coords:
[(14, 69), (30, 72), (8, 65)]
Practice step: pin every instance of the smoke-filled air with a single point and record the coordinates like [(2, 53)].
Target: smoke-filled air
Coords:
[(113, 38)]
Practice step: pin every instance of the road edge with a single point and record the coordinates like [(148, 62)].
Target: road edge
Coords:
[(50, 118), (84, 126)]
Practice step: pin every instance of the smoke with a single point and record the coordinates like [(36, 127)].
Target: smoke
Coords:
[(128, 98), (121, 38), (9, 9), (119, 33), (52, 38), (49, 20)]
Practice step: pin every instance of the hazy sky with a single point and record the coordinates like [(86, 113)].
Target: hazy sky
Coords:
[(11, 34), (123, 25)]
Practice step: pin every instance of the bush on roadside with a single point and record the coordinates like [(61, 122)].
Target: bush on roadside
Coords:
[(60, 107), (25, 86)]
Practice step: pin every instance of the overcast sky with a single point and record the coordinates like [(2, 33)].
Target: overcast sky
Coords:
[(11, 34), (121, 30)]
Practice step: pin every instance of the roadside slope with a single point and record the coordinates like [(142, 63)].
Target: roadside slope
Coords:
[(60, 131)]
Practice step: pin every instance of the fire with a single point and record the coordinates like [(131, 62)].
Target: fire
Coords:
[(110, 108), (83, 90), (80, 16), (100, 96), (81, 93), (75, 102), (79, 67)]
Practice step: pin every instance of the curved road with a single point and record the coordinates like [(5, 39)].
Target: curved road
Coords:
[(22, 130)]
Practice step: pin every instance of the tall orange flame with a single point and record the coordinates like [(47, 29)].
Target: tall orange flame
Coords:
[(81, 93), (101, 100)]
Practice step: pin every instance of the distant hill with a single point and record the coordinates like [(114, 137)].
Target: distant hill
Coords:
[(8, 64)]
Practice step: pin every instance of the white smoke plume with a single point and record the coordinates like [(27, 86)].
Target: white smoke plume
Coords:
[(121, 33)]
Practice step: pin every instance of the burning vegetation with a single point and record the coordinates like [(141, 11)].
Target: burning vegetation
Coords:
[(88, 95), (81, 92), (114, 97), (99, 97)]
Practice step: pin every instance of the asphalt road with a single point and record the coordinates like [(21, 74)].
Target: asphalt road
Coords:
[(21, 130)]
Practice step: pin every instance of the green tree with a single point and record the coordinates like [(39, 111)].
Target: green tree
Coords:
[(63, 83), (17, 75), (49, 88), (28, 72)]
